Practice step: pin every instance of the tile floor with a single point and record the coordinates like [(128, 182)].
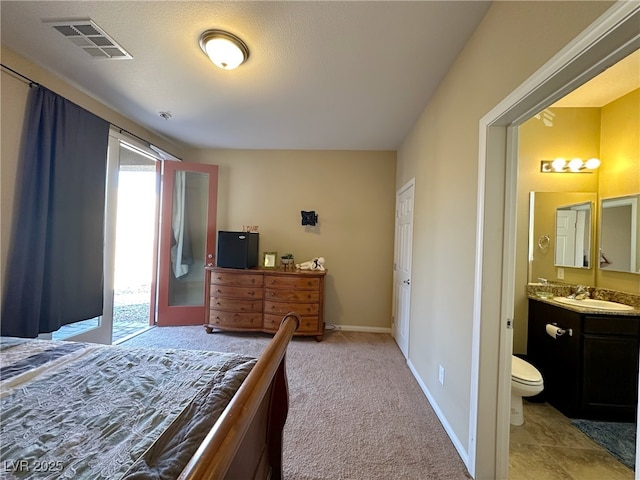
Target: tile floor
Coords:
[(549, 447)]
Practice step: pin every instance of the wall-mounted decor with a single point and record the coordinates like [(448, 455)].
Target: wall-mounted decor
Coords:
[(269, 259), (309, 218)]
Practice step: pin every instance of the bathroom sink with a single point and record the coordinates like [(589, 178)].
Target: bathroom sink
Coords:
[(596, 304)]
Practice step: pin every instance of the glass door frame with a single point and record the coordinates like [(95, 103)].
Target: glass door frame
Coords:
[(168, 314)]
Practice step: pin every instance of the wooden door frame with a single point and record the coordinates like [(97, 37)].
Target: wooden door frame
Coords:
[(164, 270)]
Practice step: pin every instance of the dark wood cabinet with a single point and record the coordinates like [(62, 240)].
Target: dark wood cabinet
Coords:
[(592, 372)]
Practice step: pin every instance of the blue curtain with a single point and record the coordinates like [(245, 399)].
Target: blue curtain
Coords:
[(54, 270)]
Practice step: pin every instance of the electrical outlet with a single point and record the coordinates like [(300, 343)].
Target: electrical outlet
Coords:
[(560, 273), (441, 374)]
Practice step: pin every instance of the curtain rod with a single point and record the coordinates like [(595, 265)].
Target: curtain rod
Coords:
[(27, 79), (33, 83)]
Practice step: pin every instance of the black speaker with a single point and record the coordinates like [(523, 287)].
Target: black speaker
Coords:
[(237, 249)]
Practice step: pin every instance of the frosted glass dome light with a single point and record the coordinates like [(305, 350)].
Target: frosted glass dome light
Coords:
[(224, 49)]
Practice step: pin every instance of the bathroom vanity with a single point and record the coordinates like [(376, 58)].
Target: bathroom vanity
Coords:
[(591, 370)]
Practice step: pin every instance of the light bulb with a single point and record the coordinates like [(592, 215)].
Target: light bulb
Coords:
[(575, 164), (558, 164), (592, 163)]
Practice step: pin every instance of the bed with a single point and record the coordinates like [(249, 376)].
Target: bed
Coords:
[(77, 410)]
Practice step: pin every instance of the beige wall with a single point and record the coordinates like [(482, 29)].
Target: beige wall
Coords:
[(14, 96), (512, 42), (353, 193), (14, 99)]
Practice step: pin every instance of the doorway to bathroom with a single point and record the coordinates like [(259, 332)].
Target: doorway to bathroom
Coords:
[(583, 124), (608, 40)]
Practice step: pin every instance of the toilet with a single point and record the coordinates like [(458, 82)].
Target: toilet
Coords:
[(526, 381)]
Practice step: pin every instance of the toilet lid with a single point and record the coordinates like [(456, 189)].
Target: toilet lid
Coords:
[(524, 372)]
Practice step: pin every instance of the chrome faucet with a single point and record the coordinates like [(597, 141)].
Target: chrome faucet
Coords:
[(581, 293)]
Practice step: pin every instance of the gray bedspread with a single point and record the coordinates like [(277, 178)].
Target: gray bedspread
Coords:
[(85, 411)]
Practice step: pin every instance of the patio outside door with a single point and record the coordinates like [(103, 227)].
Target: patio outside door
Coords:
[(187, 241)]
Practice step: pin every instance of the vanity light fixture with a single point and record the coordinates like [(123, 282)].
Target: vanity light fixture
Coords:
[(224, 49), (575, 165)]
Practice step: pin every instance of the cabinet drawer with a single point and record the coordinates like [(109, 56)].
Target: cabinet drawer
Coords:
[(613, 325), (235, 320), (285, 281), (302, 296), (236, 292), (235, 304), (299, 308), (307, 324), (237, 279)]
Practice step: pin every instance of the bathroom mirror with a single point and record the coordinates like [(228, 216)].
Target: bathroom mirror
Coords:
[(620, 235), (544, 209), (572, 245)]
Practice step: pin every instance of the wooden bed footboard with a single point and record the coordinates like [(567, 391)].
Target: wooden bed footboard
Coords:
[(246, 441)]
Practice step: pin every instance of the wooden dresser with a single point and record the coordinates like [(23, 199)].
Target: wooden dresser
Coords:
[(257, 299)]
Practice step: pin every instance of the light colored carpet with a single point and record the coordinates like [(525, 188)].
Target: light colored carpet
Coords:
[(356, 412)]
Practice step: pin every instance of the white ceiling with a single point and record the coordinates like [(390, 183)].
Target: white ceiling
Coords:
[(613, 83), (321, 75)]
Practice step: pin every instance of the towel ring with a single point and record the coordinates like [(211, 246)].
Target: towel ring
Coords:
[(544, 241)]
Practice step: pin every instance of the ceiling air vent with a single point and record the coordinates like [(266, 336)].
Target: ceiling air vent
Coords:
[(91, 38)]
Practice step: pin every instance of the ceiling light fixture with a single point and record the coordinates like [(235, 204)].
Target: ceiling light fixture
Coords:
[(576, 165), (224, 49)]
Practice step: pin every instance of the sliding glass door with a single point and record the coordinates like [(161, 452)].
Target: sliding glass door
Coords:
[(130, 233)]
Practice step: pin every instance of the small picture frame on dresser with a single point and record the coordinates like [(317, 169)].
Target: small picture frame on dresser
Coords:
[(269, 259)]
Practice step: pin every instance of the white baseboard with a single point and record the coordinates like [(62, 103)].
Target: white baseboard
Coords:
[(357, 328), (454, 438)]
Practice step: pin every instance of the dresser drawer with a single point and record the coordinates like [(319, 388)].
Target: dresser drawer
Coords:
[(307, 324), (237, 279), (302, 296), (235, 304), (299, 308), (236, 292), (235, 320), (287, 281)]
